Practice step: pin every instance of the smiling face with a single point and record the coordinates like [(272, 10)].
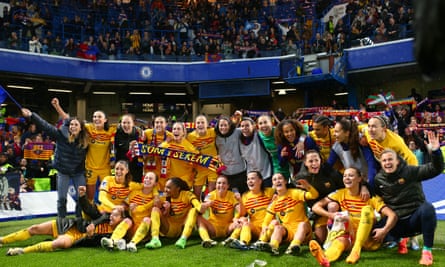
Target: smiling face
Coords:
[(115, 217), (254, 182), (289, 133), (279, 183), (341, 135), (376, 129), (75, 127), (201, 125), (389, 161), (312, 162), (120, 172), (352, 179), (149, 180), (171, 189), (127, 124), (223, 126), (247, 128), (320, 130), (265, 125), (222, 185), (160, 124), (178, 131), (99, 119)]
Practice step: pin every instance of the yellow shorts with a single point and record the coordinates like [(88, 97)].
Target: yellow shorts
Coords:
[(220, 230), (73, 233), (292, 229), (203, 175), (93, 175), (174, 231), (321, 222)]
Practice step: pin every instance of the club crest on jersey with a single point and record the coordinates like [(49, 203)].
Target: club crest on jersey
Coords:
[(401, 181)]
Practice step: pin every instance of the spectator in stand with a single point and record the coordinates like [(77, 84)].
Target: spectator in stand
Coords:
[(318, 45), (70, 48), (380, 33), (14, 41), (393, 30), (35, 46)]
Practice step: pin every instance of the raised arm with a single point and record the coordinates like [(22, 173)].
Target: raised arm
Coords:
[(59, 109)]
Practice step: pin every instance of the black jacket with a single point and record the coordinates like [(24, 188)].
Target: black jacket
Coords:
[(402, 190), (325, 182)]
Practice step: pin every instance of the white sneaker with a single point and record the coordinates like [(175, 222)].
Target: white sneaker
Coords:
[(106, 243), (121, 244), (132, 247), (14, 251)]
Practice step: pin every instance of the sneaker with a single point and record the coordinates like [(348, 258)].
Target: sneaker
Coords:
[(403, 249), (427, 258), (121, 244), (181, 243), (390, 244), (132, 247), (209, 243), (318, 253), (353, 257), (239, 245), (414, 243), (154, 243), (107, 243), (14, 251), (293, 250), (228, 242), (259, 245), (274, 251)]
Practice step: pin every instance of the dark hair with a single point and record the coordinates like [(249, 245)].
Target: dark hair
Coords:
[(323, 120), (183, 186), (258, 173), (128, 176), (312, 151), (106, 124), (279, 136), (353, 141), (232, 126)]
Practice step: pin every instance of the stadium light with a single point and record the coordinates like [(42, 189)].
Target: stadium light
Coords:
[(175, 93), (59, 90), (103, 93), (139, 93), (342, 93), (20, 87)]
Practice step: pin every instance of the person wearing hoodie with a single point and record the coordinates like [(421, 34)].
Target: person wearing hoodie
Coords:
[(400, 186), (228, 146)]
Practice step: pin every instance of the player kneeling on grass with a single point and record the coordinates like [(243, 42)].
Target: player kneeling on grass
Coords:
[(179, 211), (222, 204), (400, 186), (65, 232), (291, 223), (144, 207), (356, 232)]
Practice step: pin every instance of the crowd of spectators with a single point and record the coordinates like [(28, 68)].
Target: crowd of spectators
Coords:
[(143, 30)]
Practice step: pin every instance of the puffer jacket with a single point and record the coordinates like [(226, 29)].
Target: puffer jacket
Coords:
[(69, 158), (402, 190)]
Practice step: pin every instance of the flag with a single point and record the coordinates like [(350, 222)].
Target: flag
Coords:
[(3, 95)]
